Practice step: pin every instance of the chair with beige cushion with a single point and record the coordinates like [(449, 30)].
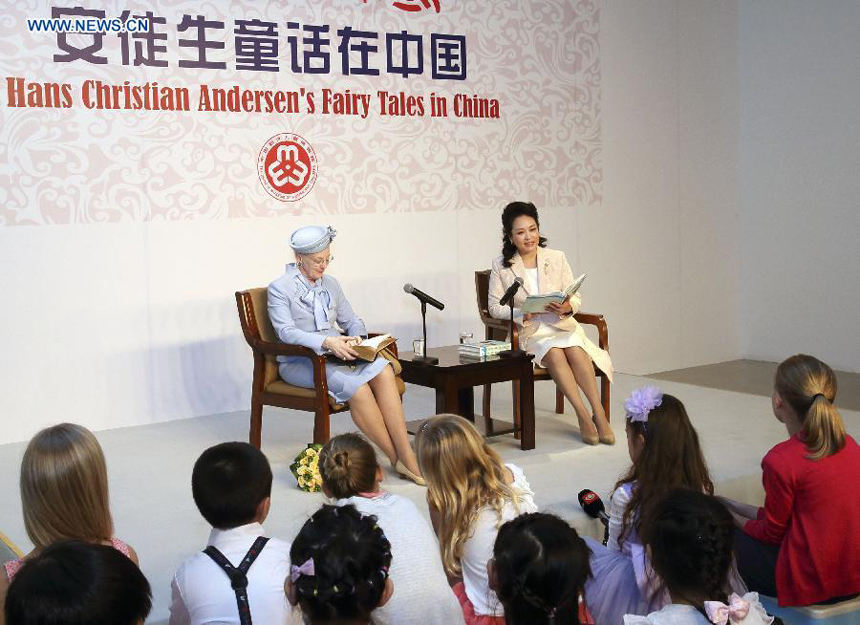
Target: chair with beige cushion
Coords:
[(496, 329), (267, 388)]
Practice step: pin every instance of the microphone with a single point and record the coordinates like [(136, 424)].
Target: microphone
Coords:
[(593, 506), (512, 290), (421, 295)]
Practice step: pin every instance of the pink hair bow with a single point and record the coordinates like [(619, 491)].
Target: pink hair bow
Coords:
[(719, 613), (305, 569)]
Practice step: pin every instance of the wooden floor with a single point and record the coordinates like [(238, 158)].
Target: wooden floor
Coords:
[(755, 377)]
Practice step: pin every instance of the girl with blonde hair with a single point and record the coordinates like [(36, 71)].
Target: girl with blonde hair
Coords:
[(802, 545), (471, 493), (64, 494)]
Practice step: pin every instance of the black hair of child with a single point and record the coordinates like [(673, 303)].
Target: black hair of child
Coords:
[(76, 583), (228, 483), (351, 557), (541, 565)]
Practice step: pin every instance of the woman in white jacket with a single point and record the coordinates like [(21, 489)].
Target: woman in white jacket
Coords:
[(554, 336)]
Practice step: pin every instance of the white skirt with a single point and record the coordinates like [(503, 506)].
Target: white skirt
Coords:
[(547, 336)]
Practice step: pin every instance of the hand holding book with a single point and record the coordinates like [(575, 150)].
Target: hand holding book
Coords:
[(342, 346), (556, 302), (352, 347)]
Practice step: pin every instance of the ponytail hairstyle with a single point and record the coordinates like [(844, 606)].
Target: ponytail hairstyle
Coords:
[(340, 562), (671, 458), (348, 466), (690, 537), (541, 565), (464, 474), (511, 212), (809, 387)]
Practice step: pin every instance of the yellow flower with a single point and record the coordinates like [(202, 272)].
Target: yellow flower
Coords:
[(311, 452), (303, 461), (301, 481)]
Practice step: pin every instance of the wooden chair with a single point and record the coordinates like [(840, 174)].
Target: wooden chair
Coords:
[(496, 329), (267, 387)]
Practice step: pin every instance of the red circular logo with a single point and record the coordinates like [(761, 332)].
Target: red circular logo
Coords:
[(287, 167)]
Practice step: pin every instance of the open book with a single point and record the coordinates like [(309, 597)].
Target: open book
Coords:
[(537, 303), (369, 348)]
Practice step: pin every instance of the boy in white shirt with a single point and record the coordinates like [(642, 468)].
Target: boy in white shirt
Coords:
[(232, 485)]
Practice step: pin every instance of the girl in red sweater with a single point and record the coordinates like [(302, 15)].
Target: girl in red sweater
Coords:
[(803, 546)]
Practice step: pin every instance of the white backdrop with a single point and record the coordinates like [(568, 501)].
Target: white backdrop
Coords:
[(119, 314), (800, 154)]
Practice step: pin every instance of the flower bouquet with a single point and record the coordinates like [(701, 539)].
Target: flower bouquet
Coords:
[(306, 470)]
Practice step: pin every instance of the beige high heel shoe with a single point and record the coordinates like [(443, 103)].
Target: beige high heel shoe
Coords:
[(606, 439), (404, 472), (588, 439)]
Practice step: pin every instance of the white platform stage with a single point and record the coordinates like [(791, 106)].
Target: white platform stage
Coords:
[(150, 466)]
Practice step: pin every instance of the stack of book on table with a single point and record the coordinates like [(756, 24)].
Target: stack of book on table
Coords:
[(481, 350)]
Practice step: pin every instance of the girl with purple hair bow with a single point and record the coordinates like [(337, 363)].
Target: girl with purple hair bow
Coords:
[(665, 454)]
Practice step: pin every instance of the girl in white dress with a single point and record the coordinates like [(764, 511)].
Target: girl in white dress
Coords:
[(470, 494), (555, 338), (690, 538), (351, 475)]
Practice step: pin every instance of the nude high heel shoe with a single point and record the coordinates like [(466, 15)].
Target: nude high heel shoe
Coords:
[(588, 439), (403, 471), (606, 439)]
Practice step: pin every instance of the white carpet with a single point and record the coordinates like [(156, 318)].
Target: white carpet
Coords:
[(150, 466)]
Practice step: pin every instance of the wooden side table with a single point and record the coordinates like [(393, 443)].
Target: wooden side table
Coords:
[(455, 380)]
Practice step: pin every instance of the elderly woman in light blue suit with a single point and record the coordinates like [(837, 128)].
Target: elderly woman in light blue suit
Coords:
[(308, 308)]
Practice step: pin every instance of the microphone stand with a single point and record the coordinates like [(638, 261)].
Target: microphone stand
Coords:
[(511, 353), (425, 359)]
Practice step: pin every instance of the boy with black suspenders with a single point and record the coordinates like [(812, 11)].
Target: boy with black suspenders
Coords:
[(239, 577)]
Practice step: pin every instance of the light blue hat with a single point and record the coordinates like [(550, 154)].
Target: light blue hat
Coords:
[(312, 239)]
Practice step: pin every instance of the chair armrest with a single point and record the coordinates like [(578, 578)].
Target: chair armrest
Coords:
[(499, 324), (284, 349), (504, 326), (598, 321)]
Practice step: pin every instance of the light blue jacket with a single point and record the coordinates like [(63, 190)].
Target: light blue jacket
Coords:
[(304, 313)]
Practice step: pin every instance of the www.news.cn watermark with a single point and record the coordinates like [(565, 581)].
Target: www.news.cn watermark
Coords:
[(90, 25)]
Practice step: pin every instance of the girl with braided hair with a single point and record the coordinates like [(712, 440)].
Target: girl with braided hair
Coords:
[(339, 567), (665, 453), (470, 493), (538, 571), (351, 475), (689, 536), (803, 546)]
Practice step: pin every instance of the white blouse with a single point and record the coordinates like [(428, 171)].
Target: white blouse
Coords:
[(478, 549), (421, 590), (532, 278)]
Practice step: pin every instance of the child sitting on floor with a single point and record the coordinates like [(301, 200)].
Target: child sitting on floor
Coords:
[(665, 453), (809, 526), (240, 570), (64, 494), (470, 494), (538, 571), (340, 562), (351, 475), (689, 537), (78, 583)]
